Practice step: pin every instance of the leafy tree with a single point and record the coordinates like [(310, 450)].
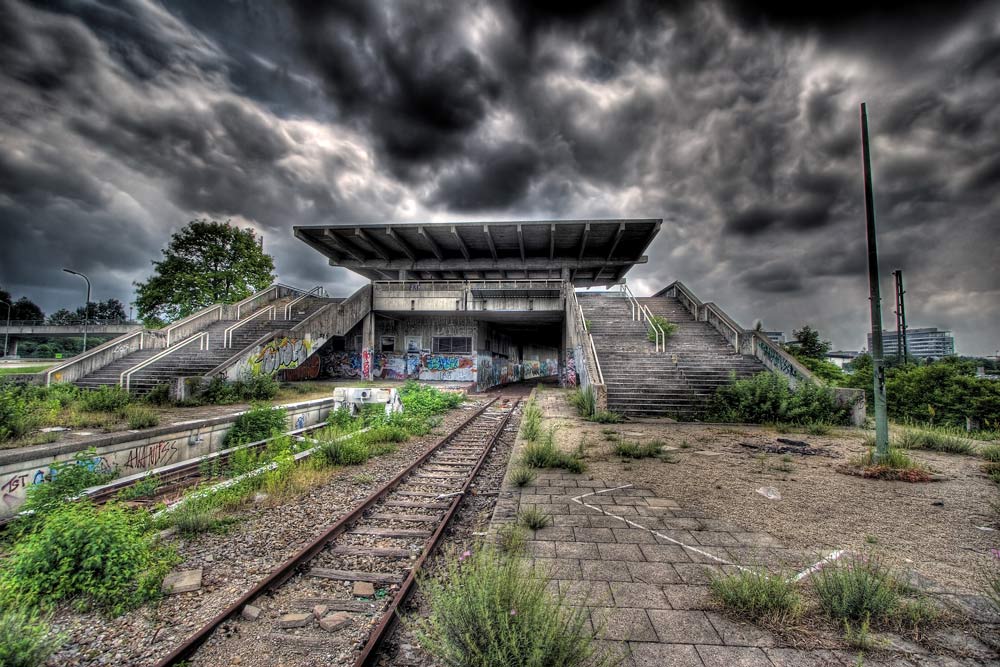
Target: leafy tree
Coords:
[(206, 262), (22, 309), (809, 345), (62, 317)]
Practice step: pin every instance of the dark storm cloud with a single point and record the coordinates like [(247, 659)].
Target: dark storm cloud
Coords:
[(737, 124)]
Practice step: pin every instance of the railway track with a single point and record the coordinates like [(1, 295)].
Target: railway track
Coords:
[(335, 600)]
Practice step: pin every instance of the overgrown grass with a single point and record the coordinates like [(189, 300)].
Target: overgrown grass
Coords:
[(857, 588), (102, 558), (545, 454), (522, 476), (258, 423), (144, 488), (936, 439), (989, 580), (108, 398), (66, 480), (895, 465), (488, 609), (533, 518), (25, 639), (512, 539), (19, 371), (818, 428), (991, 453), (531, 421), (139, 417), (758, 595), (636, 450)]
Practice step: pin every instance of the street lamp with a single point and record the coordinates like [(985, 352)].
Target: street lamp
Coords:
[(86, 308), (6, 333)]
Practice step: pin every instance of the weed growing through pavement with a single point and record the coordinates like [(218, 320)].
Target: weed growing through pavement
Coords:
[(758, 595), (935, 439), (522, 476), (512, 539), (857, 588), (533, 518), (545, 454), (363, 478), (637, 450), (895, 465)]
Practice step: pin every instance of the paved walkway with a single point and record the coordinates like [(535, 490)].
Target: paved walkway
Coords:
[(641, 565)]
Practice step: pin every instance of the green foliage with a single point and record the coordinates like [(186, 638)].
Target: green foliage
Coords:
[(346, 452), (138, 417), (668, 328), (206, 262), (531, 421), (144, 488), (257, 423), (943, 392), (533, 518), (104, 558), (825, 370), (66, 479), (606, 417), (194, 518), (636, 450), (543, 453), (488, 609), (757, 595), (220, 391), (159, 395), (991, 453), (108, 398), (935, 439), (584, 401), (340, 419), (766, 398), (522, 476), (894, 459), (25, 639), (857, 588), (818, 428), (808, 344), (511, 539), (424, 400)]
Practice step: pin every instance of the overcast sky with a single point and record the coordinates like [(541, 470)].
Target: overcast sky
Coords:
[(120, 121)]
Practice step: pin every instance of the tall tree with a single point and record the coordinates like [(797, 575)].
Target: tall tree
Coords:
[(25, 309), (809, 344), (206, 262)]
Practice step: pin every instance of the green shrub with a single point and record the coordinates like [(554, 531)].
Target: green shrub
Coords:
[(66, 479), (140, 417), (531, 421), (766, 398), (20, 413), (101, 557), (159, 395), (544, 454), (340, 419), (511, 539), (424, 400), (220, 391), (857, 588), (669, 328), (755, 594), (522, 476), (584, 401), (894, 459), (991, 453), (258, 423), (635, 450), (606, 417), (194, 518), (533, 518), (486, 610), (144, 488), (108, 398), (25, 639), (818, 428), (346, 452), (938, 440)]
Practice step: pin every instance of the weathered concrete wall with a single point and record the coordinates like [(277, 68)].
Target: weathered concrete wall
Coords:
[(133, 451)]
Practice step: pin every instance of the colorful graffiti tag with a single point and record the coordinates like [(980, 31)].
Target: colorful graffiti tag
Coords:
[(390, 366), (447, 368), (568, 377), (150, 456), (278, 354), (366, 364), (343, 365)]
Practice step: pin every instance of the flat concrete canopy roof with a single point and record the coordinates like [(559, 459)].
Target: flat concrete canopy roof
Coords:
[(593, 252)]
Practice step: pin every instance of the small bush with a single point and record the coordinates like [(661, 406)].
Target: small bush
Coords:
[(895, 465), (511, 539), (340, 419), (606, 417), (584, 401), (258, 423), (66, 479), (363, 478), (100, 557), (991, 453), (144, 488), (521, 476), (347, 452), (933, 439), (669, 329), (635, 450), (818, 428), (755, 594), (25, 639), (766, 398), (857, 588), (139, 417), (531, 421), (486, 610), (109, 398), (194, 518), (159, 395), (423, 400), (533, 518)]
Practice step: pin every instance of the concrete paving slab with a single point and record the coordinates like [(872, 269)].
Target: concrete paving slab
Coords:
[(684, 596), (622, 623), (182, 581), (601, 570), (675, 626), (646, 654), (620, 552), (638, 595), (586, 550), (654, 573), (736, 633)]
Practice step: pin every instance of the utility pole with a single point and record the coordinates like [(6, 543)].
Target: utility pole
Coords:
[(86, 309), (902, 351), (878, 367)]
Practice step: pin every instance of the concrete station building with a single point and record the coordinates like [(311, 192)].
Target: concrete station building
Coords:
[(483, 303)]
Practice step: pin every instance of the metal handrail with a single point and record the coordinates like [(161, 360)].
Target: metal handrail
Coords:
[(204, 311), (641, 310), (92, 352), (125, 378), (593, 348), (227, 335), (312, 292)]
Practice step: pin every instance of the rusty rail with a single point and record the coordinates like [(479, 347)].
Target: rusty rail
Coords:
[(281, 573)]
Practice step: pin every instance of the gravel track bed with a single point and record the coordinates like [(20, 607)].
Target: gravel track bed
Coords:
[(467, 527), (232, 562)]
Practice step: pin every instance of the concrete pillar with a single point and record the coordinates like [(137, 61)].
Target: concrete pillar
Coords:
[(13, 347), (367, 345)]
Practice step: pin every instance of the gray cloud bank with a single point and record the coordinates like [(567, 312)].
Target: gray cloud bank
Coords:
[(737, 124)]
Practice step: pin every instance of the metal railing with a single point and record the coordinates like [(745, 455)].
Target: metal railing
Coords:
[(276, 288), (641, 311), (203, 313), (72, 322), (112, 344), (125, 378), (227, 335), (315, 291), (582, 321)]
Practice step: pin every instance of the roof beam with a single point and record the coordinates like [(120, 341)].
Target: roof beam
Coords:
[(461, 243), (360, 233), (391, 233), (489, 240), (331, 237), (319, 247), (520, 241), (618, 237), (431, 242), (487, 264), (583, 241), (552, 242)]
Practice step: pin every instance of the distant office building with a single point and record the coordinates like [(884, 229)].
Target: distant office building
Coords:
[(920, 343), (841, 357), (775, 336)]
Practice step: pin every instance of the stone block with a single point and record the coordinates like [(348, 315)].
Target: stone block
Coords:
[(297, 620), (319, 611), (363, 589), (335, 621), (250, 612), (182, 581)]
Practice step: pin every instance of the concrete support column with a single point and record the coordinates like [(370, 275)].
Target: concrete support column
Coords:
[(367, 344)]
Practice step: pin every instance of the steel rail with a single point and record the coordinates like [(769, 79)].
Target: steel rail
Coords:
[(389, 618), (281, 573)]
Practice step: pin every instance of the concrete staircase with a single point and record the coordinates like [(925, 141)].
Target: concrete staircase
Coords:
[(191, 361), (679, 382)]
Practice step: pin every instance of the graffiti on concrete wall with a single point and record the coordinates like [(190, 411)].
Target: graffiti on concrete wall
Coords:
[(390, 366), (307, 370), (534, 368), (279, 354), (16, 486), (447, 367), (150, 456), (342, 365), (568, 377), (366, 364), (495, 370)]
